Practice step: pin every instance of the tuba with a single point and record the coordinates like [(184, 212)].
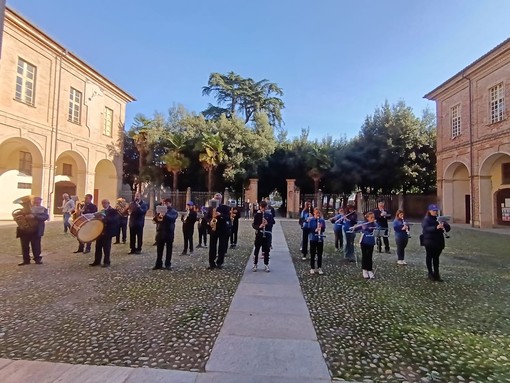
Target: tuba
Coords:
[(20, 216), (122, 207)]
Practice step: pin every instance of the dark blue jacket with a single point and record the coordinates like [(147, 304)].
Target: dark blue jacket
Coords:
[(223, 221), (350, 220), (398, 225), (166, 228), (367, 233), (432, 236), (257, 221), (312, 227), (338, 222), (40, 217), (137, 216), (89, 208), (381, 221), (111, 222)]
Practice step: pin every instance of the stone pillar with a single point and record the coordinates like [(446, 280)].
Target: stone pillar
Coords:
[(293, 196), (483, 205), (252, 191), (226, 196), (319, 196), (188, 194)]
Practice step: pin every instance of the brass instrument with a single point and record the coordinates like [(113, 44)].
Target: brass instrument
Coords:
[(232, 214), (184, 217), (21, 216), (122, 207), (214, 221), (160, 213), (78, 210)]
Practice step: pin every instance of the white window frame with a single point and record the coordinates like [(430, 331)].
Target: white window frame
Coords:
[(497, 103), (25, 82), (455, 120), (108, 122), (75, 98)]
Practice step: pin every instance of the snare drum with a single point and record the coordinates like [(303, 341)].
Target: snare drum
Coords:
[(87, 228)]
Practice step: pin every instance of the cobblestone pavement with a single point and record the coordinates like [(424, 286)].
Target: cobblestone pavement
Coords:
[(125, 315)]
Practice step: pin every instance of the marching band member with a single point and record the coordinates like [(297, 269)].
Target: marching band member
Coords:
[(137, 210), (433, 240), (367, 244), (337, 220), (304, 219), (188, 220), (31, 236), (235, 214), (218, 218), (123, 210), (316, 227), (401, 230), (165, 228), (350, 219), (110, 218), (87, 208), (263, 222), (381, 217), (202, 228)]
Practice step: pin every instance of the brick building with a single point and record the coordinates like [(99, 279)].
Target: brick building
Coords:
[(60, 121), (473, 141)]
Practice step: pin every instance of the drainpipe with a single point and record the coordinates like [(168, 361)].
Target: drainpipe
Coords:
[(471, 165)]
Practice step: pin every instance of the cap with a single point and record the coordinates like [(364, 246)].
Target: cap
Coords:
[(167, 200), (190, 203), (433, 207)]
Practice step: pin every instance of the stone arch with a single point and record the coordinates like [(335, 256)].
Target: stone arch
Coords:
[(70, 177), (17, 182), (105, 182), (456, 199), (490, 182)]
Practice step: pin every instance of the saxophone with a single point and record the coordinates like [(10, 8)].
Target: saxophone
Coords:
[(213, 222)]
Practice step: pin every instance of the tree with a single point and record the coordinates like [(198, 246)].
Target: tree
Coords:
[(175, 160), (211, 156)]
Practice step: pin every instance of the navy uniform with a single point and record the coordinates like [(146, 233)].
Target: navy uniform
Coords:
[(263, 235), (165, 230), (104, 241), (381, 218)]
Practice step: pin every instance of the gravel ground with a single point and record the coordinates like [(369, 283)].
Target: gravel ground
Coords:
[(401, 327), (126, 315)]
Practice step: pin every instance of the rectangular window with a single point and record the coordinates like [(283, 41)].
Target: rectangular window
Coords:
[(455, 120), (25, 163), (24, 185), (108, 122), (497, 103), (67, 170), (505, 173), (25, 82), (74, 106)]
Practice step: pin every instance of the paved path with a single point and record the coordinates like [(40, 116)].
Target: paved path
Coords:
[(267, 337)]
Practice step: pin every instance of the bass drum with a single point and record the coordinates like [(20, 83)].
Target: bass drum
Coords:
[(87, 228)]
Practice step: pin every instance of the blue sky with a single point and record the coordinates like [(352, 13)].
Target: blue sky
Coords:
[(336, 60)]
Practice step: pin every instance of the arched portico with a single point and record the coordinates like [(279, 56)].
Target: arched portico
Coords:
[(456, 199), (493, 179), (70, 177), (105, 182), (21, 172)]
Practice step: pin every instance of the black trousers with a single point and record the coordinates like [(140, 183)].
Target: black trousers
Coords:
[(386, 243), (316, 248), (160, 246), (263, 242), (401, 246), (122, 230), (202, 235), (84, 246), (233, 234), (103, 245), (27, 240), (367, 252), (432, 261), (136, 238), (304, 241), (188, 240), (339, 239), (218, 244)]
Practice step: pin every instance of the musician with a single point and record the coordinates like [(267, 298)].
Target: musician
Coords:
[(316, 227), (433, 240), (188, 220), (304, 218), (401, 229), (67, 207), (381, 217), (337, 221), (269, 207), (31, 236), (123, 211), (110, 218), (218, 218), (235, 214), (367, 244), (263, 222), (137, 210), (202, 227), (247, 209), (350, 219), (87, 208), (165, 235)]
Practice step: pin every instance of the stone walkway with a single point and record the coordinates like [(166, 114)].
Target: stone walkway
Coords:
[(267, 337)]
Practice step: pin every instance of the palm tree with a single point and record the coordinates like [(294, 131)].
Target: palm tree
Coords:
[(319, 162), (175, 161), (211, 156)]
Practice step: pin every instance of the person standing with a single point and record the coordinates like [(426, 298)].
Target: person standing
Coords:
[(235, 214), (304, 219), (137, 210), (401, 230), (122, 208), (202, 228), (433, 240), (87, 208), (218, 218), (381, 217), (350, 219), (337, 222), (188, 220), (165, 235), (67, 208), (316, 227), (367, 243), (247, 209), (263, 222), (110, 218), (31, 235)]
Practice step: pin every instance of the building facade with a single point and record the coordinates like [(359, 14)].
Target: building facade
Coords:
[(473, 141), (61, 121), (2, 13)]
